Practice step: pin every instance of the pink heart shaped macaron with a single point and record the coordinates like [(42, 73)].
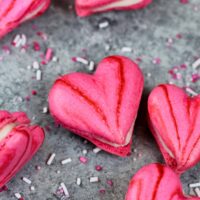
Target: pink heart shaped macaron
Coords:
[(19, 141), (101, 107), (14, 12), (88, 7), (174, 121), (156, 182)]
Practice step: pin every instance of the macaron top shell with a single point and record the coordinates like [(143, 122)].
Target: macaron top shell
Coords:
[(102, 106)]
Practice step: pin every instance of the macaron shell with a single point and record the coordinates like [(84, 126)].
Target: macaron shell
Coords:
[(14, 12), (157, 182), (86, 8), (100, 107), (19, 142), (173, 120)]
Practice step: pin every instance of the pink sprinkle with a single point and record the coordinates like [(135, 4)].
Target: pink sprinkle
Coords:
[(179, 36), (156, 61), (37, 167), (27, 98), (74, 59), (34, 92), (43, 62), (102, 191), (42, 35), (21, 198), (184, 1), (183, 66), (49, 54), (195, 77), (83, 159), (6, 49), (36, 46), (138, 60), (98, 167), (109, 182), (4, 188)]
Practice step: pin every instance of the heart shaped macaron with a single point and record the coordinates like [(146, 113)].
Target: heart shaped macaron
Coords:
[(156, 182), (19, 141), (174, 121), (85, 8), (101, 107), (14, 12)]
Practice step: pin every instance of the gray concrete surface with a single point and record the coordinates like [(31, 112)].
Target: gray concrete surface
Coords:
[(146, 32)]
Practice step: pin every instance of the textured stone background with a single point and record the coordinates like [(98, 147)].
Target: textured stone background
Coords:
[(146, 31)]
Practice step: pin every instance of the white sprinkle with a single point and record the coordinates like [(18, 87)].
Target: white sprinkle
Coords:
[(38, 75), (32, 188), (82, 60), (78, 181), (192, 185), (197, 191), (103, 24), (94, 179), (55, 59), (196, 64), (64, 189), (58, 172), (68, 160), (51, 158), (16, 39), (107, 47), (26, 180), (23, 39), (190, 91), (36, 65), (91, 66), (29, 67), (84, 151), (18, 195), (126, 49), (96, 150), (134, 159), (18, 43), (45, 110)]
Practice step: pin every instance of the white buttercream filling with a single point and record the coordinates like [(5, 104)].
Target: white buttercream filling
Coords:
[(123, 3), (6, 130)]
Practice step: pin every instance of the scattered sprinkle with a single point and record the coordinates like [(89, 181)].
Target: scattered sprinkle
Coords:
[(91, 66), (196, 64), (32, 188), (38, 75), (78, 181), (26, 180), (83, 159), (68, 160), (36, 65), (64, 189), (197, 191), (193, 185), (96, 150), (45, 110), (84, 151), (191, 91), (18, 195), (51, 158), (82, 60), (98, 168), (126, 49), (104, 24), (94, 179)]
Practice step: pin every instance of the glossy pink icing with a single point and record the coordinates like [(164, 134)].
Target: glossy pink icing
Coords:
[(19, 144), (101, 107), (174, 120), (89, 7), (156, 182), (14, 12)]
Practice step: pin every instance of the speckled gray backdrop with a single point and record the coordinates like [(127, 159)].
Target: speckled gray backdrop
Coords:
[(146, 32)]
